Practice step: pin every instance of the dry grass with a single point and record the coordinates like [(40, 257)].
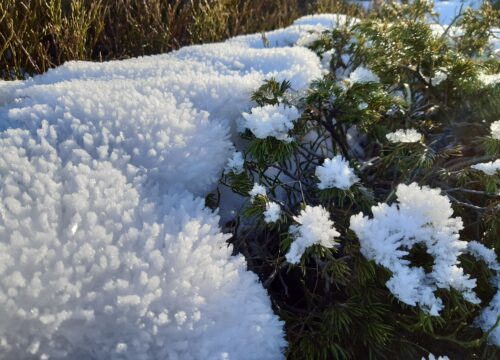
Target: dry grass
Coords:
[(38, 34)]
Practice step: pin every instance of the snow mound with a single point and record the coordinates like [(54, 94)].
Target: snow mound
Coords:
[(142, 131), (91, 270), (106, 252)]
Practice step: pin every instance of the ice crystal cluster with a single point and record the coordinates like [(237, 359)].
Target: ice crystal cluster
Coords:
[(420, 216), (257, 190), (106, 252), (272, 213), (271, 121), (404, 136), (362, 75), (336, 173), (433, 357), (438, 77), (495, 130), (314, 227), (235, 163), (489, 168)]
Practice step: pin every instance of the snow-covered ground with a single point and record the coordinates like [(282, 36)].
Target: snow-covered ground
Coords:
[(106, 249)]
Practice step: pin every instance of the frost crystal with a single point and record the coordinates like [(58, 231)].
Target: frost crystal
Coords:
[(495, 129), (257, 190), (90, 269), (315, 227), (271, 120), (438, 77), (309, 38), (488, 79), (336, 173), (272, 213), (404, 136), (362, 75), (421, 216), (489, 168), (235, 163), (432, 357)]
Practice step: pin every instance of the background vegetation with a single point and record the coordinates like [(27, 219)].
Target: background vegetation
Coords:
[(36, 35)]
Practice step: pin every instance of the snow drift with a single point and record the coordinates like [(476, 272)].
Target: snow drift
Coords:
[(106, 251)]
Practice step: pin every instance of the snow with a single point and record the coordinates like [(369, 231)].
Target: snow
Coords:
[(490, 313), (404, 136), (432, 357), (272, 213), (314, 227), (271, 121), (335, 173), (438, 78), (90, 267), (421, 216), (362, 75), (489, 168), (106, 250), (489, 79), (235, 163), (495, 130), (257, 190)]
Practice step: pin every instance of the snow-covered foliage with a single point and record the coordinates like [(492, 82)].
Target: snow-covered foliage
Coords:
[(272, 213), (420, 217), (257, 190), (495, 130), (336, 173), (432, 357), (404, 136), (489, 168), (235, 163), (490, 314), (438, 77), (362, 75), (314, 227), (271, 120), (489, 79)]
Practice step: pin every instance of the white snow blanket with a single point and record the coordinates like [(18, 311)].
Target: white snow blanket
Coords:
[(106, 252)]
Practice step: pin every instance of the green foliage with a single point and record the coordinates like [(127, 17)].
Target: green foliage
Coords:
[(335, 303)]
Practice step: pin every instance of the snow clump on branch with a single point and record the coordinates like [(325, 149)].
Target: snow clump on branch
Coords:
[(271, 120), (489, 315), (336, 173), (421, 216), (315, 227), (495, 130), (404, 136), (489, 168)]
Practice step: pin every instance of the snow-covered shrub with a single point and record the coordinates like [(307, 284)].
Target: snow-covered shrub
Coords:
[(373, 182)]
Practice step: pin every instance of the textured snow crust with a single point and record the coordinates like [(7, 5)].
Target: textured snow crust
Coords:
[(106, 250)]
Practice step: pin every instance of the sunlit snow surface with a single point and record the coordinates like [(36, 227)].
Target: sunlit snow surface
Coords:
[(106, 252)]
